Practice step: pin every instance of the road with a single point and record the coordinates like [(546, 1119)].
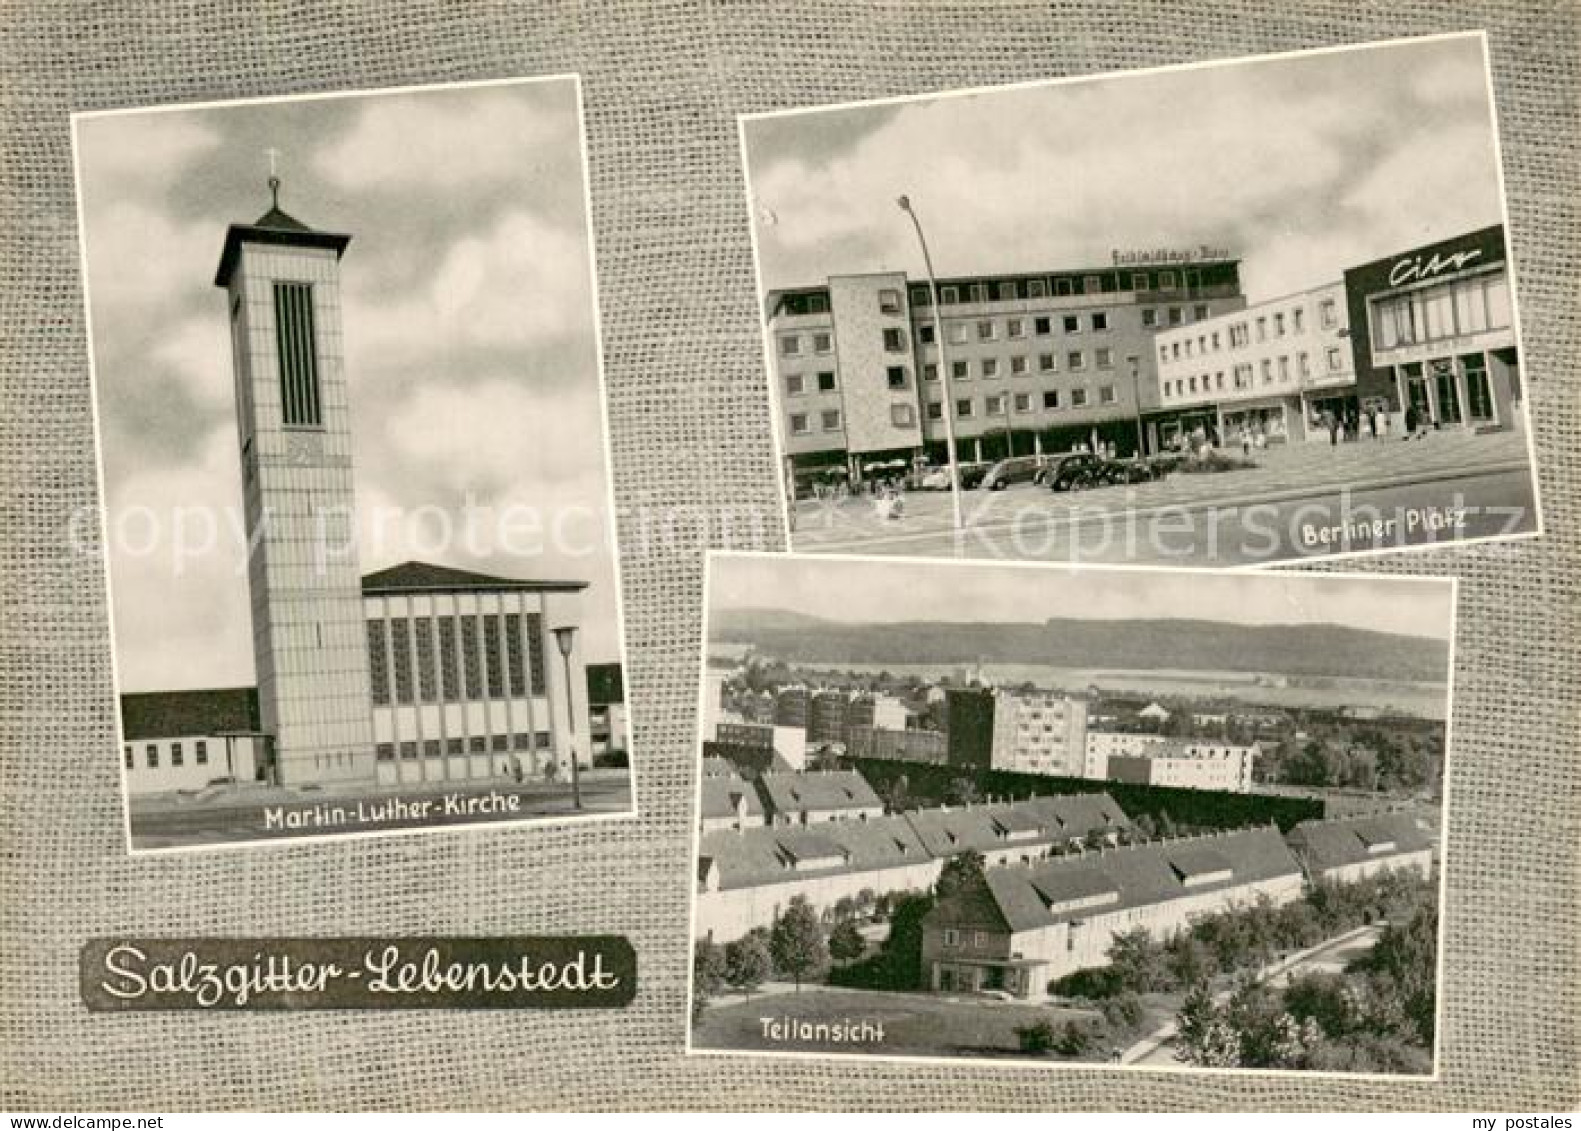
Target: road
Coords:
[(1032, 524), (1327, 958), (239, 818)]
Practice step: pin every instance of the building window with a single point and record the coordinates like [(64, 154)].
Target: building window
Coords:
[(1015, 328), (401, 654), (1199, 312), (1295, 320), (1139, 280), (1018, 365), (1334, 361), (1279, 323), (1174, 316), (826, 381), (1105, 394), (1078, 398), (1303, 367), (925, 334), (1036, 288), (897, 376), (1023, 402), (296, 346), (449, 677), (901, 415), (1042, 326), (491, 656), (951, 937), (889, 301), (455, 746), (408, 751), (1046, 362), (990, 367), (1051, 398), (151, 756), (985, 330), (893, 343), (1104, 357), (831, 420), (1326, 315), (979, 292), (1166, 280), (1072, 324), (956, 333), (822, 342), (175, 754), (1284, 368), (1091, 285), (1215, 340), (930, 371), (514, 674), (1062, 287), (1075, 360), (994, 405), (790, 345), (959, 370), (1100, 321), (1007, 292), (963, 407), (949, 294), (127, 754), (1149, 316), (794, 384), (1262, 329), (1268, 371), (426, 688), (935, 410), (384, 752), (378, 669), (469, 657), (535, 668), (921, 297)]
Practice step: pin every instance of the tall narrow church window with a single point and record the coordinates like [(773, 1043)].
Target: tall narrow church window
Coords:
[(297, 349), (425, 659), (535, 651), (401, 654), (378, 670), (491, 643), (449, 677), (513, 654), (469, 655)]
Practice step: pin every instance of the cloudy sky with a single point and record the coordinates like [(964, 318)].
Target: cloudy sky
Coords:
[(470, 343), (1302, 166), (875, 592)]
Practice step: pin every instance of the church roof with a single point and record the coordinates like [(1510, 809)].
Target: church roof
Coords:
[(178, 714), (273, 227), (425, 577)]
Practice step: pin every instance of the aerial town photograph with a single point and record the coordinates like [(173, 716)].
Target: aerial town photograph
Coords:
[(357, 504), (1045, 322), (1160, 818)]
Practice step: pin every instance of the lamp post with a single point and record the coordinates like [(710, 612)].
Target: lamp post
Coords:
[(565, 640), (944, 364), (1136, 398)]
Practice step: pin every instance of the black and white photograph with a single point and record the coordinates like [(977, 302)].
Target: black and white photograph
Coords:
[(1053, 815), (1228, 313), (357, 513)]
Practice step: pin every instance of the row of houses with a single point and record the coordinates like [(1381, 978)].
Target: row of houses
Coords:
[(730, 800), (1032, 923)]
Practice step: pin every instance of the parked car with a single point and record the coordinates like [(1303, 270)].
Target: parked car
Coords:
[(972, 475), (934, 479), (1075, 471), (1017, 469)]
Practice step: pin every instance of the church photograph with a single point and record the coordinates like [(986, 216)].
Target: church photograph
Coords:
[(355, 503)]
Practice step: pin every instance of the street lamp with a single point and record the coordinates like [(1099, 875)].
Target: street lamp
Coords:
[(944, 364), (1136, 398), (565, 640)]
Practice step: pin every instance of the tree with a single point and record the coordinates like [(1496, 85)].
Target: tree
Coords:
[(902, 949), (897, 794), (748, 962), (1204, 1037), (1138, 962), (1327, 999), (961, 873), (1189, 961), (797, 942), (708, 968), (1037, 1037), (962, 791), (846, 942)]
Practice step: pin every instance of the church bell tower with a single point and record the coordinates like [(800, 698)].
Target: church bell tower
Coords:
[(282, 281)]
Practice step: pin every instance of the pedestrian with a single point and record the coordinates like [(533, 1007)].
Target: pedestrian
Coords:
[(1331, 421), (1372, 422), (1383, 425), (1246, 442), (1412, 420)]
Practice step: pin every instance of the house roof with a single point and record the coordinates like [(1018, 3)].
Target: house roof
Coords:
[(425, 577), (758, 856), (1049, 820), (177, 714), (273, 227), (721, 794), (714, 766), (818, 791), (1323, 845), (1031, 896)]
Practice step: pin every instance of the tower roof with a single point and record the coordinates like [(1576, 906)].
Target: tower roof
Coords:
[(424, 577), (273, 227)]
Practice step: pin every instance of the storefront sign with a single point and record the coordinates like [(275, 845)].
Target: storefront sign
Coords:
[(1167, 256), (1416, 268)]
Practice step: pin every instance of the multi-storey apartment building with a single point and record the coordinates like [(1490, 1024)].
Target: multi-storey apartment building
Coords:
[(1039, 732), (1188, 764), (1273, 372), (1032, 362)]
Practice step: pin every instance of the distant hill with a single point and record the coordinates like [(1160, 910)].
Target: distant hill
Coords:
[(1136, 645)]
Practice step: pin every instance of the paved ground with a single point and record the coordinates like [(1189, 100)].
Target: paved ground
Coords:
[(249, 814), (1302, 500)]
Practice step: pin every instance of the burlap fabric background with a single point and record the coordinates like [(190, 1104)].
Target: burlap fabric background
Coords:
[(663, 83)]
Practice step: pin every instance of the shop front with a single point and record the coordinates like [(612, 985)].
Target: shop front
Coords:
[(1439, 342), (1262, 423)]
